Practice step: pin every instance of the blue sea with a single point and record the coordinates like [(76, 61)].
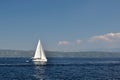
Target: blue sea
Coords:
[(60, 69)]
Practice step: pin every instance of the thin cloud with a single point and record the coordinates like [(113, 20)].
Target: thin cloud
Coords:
[(109, 37), (99, 38), (63, 43), (98, 42), (78, 41)]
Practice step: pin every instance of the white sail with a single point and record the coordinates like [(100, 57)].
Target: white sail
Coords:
[(43, 57), (39, 53)]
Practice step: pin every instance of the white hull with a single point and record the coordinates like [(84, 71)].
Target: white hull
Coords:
[(40, 60)]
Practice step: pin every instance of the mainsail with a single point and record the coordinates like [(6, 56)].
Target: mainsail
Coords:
[(39, 53)]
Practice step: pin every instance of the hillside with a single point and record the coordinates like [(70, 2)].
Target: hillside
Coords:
[(21, 53)]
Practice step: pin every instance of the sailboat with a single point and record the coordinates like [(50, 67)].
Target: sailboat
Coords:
[(39, 55)]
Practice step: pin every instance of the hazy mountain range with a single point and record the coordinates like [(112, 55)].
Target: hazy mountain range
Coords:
[(21, 53)]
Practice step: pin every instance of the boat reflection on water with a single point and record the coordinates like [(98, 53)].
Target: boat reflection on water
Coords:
[(40, 71)]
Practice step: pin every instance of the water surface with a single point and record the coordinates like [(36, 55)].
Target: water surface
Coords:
[(60, 69)]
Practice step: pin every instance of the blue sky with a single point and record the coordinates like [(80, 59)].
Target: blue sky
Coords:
[(62, 25)]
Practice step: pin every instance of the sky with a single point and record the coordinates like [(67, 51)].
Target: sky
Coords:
[(61, 25)]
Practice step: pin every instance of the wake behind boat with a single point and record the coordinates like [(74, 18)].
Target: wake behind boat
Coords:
[(39, 55)]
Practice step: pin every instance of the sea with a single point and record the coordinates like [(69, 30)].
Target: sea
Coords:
[(60, 69)]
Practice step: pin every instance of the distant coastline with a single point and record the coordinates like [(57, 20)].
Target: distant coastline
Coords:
[(83, 54)]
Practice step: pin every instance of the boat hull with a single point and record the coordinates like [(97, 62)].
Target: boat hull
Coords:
[(39, 62)]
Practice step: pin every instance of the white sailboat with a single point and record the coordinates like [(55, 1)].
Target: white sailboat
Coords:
[(39, 55)]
